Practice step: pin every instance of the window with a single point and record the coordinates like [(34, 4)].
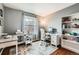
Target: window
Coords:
[(30, 25)]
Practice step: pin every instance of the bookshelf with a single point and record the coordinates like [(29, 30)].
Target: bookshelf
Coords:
[(1, 23), (70, 32)]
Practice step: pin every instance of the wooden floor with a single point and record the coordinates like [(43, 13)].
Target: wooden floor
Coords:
[(60, 51), (6, 51), (63, 51)]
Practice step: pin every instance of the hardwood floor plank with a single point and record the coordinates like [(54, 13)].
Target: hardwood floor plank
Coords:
[(63, 51)]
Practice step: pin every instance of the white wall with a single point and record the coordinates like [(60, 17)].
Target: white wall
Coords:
[(55, 19)]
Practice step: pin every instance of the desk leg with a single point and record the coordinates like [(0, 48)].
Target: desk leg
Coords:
[(16, 48)]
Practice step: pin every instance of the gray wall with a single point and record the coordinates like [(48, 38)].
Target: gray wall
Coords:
[(55, 19), (13, 19)]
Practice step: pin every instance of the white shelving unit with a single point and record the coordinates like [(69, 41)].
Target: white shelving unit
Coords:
[(70, 33), (1, 24)]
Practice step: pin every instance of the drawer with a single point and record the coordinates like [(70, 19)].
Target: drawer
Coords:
[(7, 44), (53, 42), (54, 38)]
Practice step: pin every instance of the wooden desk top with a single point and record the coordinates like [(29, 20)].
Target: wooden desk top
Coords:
[(13, 38)]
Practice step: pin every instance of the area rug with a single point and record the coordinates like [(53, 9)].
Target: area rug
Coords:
[(39, 48)]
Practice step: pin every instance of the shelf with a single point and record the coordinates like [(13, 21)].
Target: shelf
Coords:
[(70, 28), (67, 22), (66, 28), (73, 36), (74, 28), (74, 42)]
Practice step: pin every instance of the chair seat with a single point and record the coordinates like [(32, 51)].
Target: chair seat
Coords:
[(28, 42)]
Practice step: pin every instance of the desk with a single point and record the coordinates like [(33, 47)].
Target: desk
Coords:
[(8, 42)]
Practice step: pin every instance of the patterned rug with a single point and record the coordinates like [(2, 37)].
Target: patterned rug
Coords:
[(37, 48)]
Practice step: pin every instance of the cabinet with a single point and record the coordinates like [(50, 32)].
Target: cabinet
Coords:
[(70, 32), (1, 18), (54, 39), (1, 11), (70, 45)]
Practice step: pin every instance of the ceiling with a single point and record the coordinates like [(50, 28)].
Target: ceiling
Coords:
[(42, 9)]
